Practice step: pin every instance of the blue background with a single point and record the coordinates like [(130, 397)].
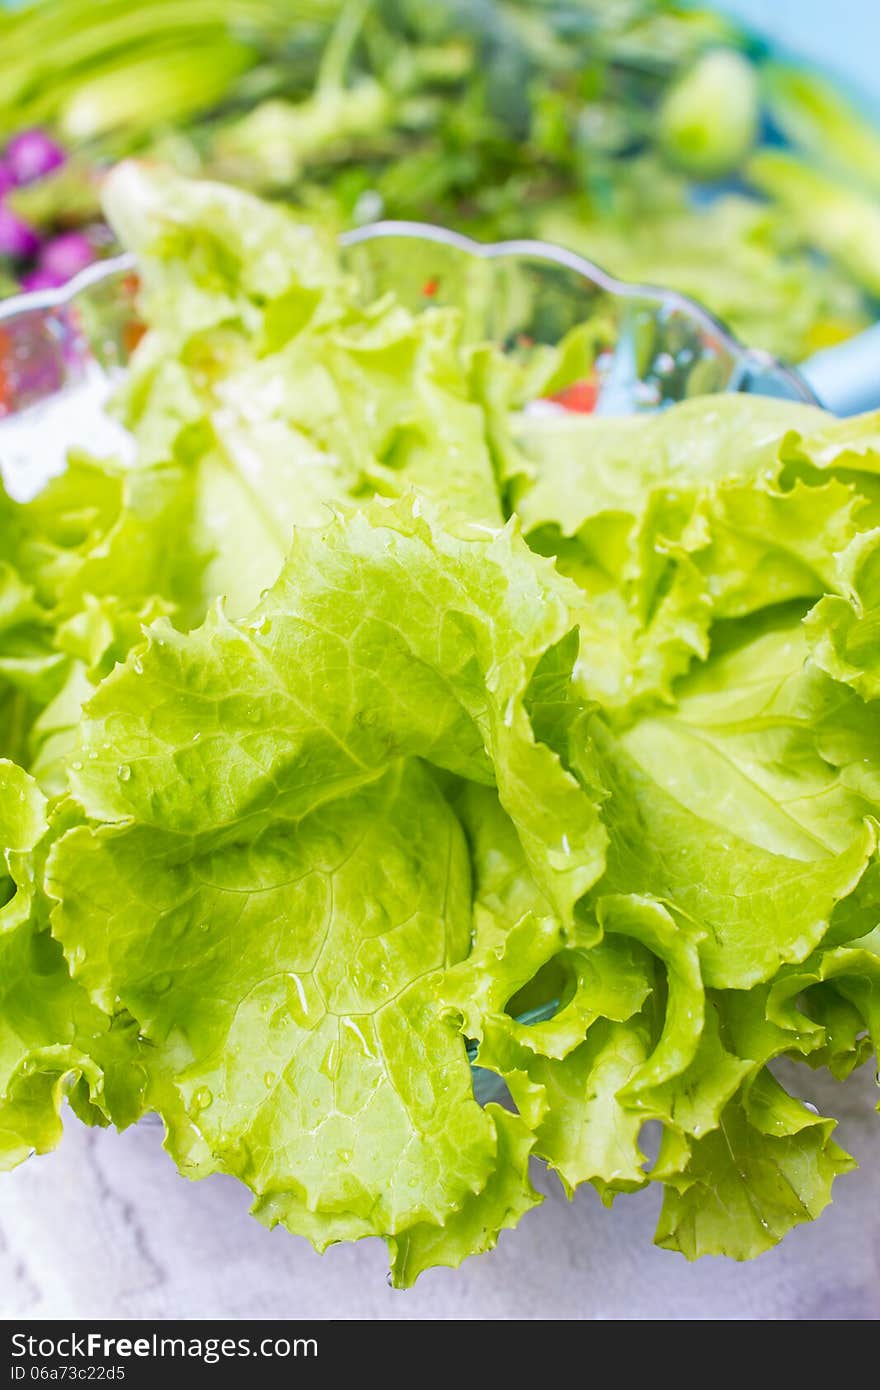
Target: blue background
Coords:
[(841, 36)]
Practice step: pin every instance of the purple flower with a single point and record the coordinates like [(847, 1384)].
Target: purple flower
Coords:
[(31, 154), (66, 255), (17, 238), (40, 279), (6, 179)]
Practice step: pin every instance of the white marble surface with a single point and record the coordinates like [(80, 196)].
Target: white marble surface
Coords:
[(104, 1227)]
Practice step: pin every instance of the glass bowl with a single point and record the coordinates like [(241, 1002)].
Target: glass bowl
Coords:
[(60, 350)]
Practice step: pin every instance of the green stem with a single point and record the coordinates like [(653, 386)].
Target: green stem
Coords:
[(340, 46), (80, 34)]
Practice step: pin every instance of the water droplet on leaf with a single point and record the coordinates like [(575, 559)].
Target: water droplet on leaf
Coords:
[(202, 1099)]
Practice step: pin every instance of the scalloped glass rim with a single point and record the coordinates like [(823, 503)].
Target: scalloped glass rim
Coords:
[(751, 369), (754, 363)]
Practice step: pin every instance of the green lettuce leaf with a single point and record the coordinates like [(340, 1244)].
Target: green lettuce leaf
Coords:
[(274, 387), (756, 910), (430, 656), (47, 1024), (258, 775), (330, 1034), (369, 728), (507, 1196), (764, 744), (93, 557), (674, 521), (587, 1133), (839, 989), (844, 628), (768, 1167)]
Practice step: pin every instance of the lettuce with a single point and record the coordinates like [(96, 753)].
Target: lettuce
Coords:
[(52, 1038), (365, 728)]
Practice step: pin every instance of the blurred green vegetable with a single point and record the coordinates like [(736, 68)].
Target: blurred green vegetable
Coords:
[(67, 195), (572, 121), (166, 85), (728, 257), (273, 144), (53, 52), (581, 120), (709, 119), (840, 220), (816, 118)]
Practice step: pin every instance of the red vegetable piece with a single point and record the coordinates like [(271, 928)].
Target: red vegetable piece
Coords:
[(5, 382), (131, 335), (580, 397)]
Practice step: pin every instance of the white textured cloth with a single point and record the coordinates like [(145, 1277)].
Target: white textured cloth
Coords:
[(105, 1227)]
